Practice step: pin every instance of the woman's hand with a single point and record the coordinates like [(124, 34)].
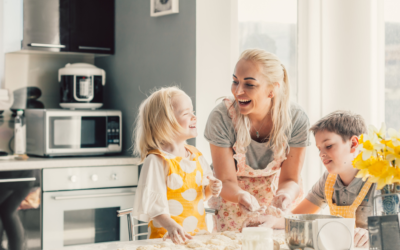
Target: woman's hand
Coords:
[(264, 217), (247, 202), (360, 237), (215, 186), (175, 232), (282, 201)]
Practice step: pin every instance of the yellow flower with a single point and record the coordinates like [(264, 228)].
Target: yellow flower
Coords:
[(363, 166), (370, 145), (381, 173), (396, 176), (381, 133), (361, 139), (394, 137), (393, 154)]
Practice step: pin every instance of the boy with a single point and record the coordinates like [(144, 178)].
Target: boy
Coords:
[(336, 137)]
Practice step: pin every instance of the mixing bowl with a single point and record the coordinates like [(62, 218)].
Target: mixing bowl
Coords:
[(299, 231)]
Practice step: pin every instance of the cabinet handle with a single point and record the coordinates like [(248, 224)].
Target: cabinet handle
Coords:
[(44, 45), (94, 48), (90, 196), (18, 180)]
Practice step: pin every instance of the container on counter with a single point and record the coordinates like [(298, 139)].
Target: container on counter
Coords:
[(257, 238), (19, 134)]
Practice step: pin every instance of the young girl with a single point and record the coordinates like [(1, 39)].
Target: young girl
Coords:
[(175, 179)]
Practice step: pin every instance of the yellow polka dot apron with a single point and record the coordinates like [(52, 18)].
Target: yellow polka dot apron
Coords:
[(261, 183), (184, 193), (344, 211)]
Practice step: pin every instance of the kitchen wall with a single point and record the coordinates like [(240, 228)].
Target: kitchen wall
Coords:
[(151, 52)]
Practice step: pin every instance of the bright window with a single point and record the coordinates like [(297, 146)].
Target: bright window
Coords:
[(392, 63), (271, 25)]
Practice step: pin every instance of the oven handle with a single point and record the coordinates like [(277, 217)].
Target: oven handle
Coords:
[(18, 180), (90, 196)]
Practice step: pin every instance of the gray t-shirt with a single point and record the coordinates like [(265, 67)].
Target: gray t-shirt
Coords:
[(220, 132), (344, 196)]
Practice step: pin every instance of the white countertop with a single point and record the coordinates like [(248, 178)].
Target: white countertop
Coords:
[(62, 162), (131, 245)]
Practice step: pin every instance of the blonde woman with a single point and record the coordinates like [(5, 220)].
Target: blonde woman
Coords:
[(175, 178), (258, 142)]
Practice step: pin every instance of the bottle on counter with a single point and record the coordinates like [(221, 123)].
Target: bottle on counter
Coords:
[(19, 134), (257, 238)]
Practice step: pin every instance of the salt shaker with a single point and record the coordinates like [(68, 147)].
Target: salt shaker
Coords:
[(257, 238)]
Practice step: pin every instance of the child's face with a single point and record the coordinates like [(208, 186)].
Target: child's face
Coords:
[(336, 155), (184, 114)]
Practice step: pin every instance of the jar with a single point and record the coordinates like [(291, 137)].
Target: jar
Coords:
[(257, 238)]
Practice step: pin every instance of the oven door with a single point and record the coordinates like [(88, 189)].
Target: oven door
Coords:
[(84, 216)]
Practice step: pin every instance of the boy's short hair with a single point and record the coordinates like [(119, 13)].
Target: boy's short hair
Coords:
[(344, 123)]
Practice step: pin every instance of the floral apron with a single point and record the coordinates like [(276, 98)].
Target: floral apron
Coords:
[(261, 183), (344, 211)]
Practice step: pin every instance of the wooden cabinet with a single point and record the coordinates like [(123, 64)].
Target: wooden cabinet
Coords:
[(68, 25)]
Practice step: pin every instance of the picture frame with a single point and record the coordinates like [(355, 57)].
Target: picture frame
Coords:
[(163, 7)]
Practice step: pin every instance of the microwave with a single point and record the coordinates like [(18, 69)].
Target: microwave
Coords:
[(58, 132)]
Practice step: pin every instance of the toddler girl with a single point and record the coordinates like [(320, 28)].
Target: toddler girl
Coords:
[(175, 179)]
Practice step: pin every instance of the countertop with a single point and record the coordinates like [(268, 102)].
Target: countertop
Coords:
[(62, 162), (132, 245)]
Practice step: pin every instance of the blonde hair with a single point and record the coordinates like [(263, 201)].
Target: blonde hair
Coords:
[(156, 123), (344, 123), (275, 72)]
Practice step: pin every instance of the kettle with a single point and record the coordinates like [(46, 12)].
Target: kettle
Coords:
[(81, 86)]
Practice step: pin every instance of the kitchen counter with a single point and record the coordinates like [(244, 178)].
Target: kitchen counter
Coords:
[(62, 162), (132, 245)]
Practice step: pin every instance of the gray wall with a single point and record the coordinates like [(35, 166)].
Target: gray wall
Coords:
[(150, 52)]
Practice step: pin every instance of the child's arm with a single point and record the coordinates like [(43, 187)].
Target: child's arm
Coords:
[(306, 207), (176, 232)]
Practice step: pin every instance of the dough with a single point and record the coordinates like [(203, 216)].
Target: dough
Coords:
[(165, 244), (194, 244), (232, 247), (214, 247), (231, 234), (216, 242), (147, 248)]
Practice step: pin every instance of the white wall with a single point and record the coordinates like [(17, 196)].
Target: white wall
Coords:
[(217, 51)]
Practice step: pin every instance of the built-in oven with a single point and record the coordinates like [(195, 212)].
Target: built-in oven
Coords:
[(80, 204)]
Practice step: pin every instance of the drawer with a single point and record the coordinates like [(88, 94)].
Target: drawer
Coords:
[(89, 177)]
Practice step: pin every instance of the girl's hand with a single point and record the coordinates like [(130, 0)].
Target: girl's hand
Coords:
[(215, 186), (360, 237), (177, 234)]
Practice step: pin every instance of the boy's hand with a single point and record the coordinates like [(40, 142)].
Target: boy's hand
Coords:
[(215, 186), (360, 237)]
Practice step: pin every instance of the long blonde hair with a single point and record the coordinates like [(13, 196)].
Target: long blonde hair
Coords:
[(156, 123), (275, 72)]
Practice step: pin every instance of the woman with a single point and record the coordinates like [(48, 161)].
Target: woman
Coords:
[(257, 141)]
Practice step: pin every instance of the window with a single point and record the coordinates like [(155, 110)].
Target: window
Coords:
[(392, 64), (271, 25)]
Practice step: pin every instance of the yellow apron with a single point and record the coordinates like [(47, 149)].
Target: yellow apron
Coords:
[(184, 194), (344, 211)]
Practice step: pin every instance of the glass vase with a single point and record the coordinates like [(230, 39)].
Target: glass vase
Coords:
[(390, 200)]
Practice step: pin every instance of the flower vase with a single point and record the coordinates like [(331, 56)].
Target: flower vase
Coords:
[(390, 202)]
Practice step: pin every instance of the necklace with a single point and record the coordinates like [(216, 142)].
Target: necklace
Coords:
[(257, 133)]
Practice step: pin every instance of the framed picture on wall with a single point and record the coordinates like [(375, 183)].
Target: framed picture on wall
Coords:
[(163, 7)]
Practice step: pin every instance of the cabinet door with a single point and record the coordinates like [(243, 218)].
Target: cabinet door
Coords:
[(92, 26), (46, 25)]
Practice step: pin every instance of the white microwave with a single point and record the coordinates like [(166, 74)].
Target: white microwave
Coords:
[(59, 132)]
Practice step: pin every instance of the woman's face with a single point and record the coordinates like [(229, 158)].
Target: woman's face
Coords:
[(250, 87)]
